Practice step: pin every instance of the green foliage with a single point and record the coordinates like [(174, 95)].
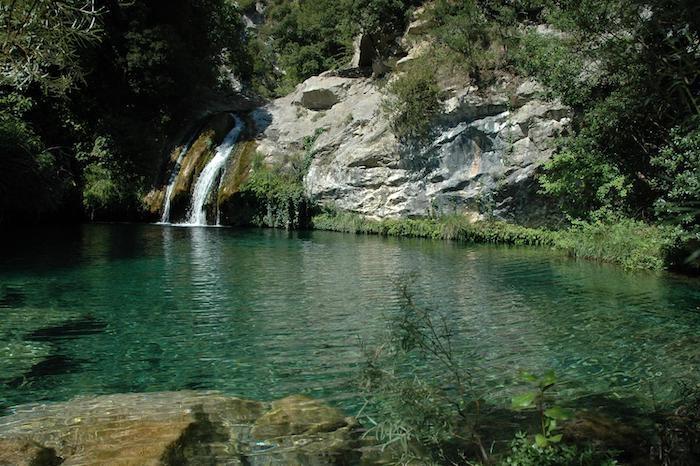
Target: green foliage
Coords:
[(275, 197), (551, 60), (454, 227), (584, 180), (678, 182), (32, 180), (416, 413), (309, 37), (422, 407), (414, 101), (550, 415), (631, 243), (464, 28), (382, 17), (678, 431), (40, 42), (630, 71), (524, 453), (107, 185)]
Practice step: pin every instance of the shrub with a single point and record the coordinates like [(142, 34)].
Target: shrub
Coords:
[(631, 243), (678, 182), (413, 103), (425, 417), (524, 453), (272, 197)]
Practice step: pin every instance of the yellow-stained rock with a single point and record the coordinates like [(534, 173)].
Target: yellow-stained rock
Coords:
[(196, 158), (153, 201), (178, 428)]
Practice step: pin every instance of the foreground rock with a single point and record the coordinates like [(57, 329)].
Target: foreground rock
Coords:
[(178, 428)]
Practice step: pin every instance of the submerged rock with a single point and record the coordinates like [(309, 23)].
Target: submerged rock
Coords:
[(23, 452), (178, 428), (22, 348)]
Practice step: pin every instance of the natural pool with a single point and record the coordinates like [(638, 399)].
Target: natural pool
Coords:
[(262, 313)]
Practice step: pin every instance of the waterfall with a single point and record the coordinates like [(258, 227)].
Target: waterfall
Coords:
[(202, 188), (165, 218)]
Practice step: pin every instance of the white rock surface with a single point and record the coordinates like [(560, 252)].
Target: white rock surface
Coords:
[(484, 147)]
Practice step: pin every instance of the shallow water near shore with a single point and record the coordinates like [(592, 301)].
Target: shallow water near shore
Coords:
[(100, 309)]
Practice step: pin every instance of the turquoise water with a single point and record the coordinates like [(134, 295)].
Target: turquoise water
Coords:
[(263, 313)]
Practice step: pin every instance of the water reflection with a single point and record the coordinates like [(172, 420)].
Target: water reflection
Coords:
[(268, 313)]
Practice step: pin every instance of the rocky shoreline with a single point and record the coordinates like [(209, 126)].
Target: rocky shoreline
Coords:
[(180, 428)]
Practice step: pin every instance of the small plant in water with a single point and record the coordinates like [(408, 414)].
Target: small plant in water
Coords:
[(420, 398), (536, 398)]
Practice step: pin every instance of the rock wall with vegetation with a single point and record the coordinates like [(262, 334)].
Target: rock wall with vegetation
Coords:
[(534, 112), (485, 145)]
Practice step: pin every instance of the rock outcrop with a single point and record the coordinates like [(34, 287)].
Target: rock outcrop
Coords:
[(488, 146), (178, 428)]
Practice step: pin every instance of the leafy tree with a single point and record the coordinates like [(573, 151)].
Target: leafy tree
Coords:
[(41, 41), (630, 69)]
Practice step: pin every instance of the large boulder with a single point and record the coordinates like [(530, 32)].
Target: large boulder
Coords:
[(178, 428), (364, 52), (321, 92)]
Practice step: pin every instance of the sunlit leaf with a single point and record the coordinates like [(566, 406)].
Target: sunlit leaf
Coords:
[(558, 413), (548, 379), (523, 401), (541, 441)]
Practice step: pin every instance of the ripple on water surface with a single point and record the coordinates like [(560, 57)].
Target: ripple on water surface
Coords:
[(263, 314)]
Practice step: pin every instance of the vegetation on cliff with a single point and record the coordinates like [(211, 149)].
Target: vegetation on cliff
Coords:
[(93, 92)]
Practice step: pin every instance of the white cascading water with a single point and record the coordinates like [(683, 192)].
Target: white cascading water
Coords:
[(165, 218), (205, 181)]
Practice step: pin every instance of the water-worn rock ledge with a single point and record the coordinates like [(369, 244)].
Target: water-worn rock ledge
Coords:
[(179, 428)]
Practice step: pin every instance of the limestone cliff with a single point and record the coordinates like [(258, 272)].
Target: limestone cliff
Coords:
[(490, 144)]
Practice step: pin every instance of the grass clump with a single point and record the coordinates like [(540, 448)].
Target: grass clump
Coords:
[(631, 243), (453, 227)]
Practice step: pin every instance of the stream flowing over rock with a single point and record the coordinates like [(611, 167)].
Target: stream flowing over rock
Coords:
[(487, 148), (179, 428)]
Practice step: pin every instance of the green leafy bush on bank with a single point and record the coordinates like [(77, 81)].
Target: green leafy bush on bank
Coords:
[(633, 244), (271, 197), (630, 243)]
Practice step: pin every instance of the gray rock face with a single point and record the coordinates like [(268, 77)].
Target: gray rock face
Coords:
[(487, 144), (321, 92)]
